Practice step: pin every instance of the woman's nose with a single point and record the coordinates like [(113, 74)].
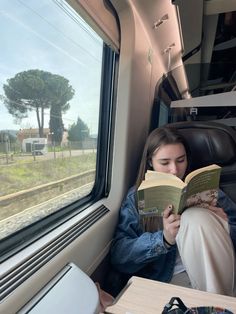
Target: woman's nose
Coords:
[(173, 169)]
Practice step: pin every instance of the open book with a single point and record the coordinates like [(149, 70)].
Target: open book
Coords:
[(158, 190)]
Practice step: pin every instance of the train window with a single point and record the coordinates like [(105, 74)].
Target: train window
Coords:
[(163, 114), (166, 92), (52, 70)]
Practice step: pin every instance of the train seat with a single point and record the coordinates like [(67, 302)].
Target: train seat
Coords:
[(212, 142)]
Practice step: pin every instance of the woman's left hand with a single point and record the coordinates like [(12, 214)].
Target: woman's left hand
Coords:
[(219, 212)]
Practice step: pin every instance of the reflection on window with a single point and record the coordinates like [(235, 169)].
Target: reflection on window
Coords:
[(50, 73)]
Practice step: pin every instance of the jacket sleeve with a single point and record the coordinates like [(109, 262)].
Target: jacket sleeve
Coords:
[(132, 248), (230, 209)]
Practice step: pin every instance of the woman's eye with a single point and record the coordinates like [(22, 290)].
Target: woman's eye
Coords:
[(181, 160), (164, 163)]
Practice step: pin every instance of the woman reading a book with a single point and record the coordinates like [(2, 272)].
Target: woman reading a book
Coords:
[(195, 249)]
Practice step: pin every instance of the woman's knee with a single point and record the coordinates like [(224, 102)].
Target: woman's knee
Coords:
[(200, 217)]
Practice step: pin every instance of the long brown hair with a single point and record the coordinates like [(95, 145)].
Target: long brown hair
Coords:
[(158, 137)]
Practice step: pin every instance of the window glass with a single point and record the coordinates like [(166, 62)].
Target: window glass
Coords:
[(50, 79), (163, 114)]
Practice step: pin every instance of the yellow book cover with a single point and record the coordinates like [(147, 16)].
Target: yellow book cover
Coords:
[(158, 190)]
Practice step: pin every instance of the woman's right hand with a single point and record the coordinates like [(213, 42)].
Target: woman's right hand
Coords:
[(171, 223)]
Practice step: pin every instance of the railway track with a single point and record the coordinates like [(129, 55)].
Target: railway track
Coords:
[(24, 207)]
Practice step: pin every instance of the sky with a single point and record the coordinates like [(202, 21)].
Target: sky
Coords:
[(48, 35)]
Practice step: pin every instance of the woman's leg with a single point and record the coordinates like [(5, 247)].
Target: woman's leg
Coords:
[(207, 251), (181, 279)]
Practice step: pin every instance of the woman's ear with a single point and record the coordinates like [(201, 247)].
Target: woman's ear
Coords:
[(150, 163)]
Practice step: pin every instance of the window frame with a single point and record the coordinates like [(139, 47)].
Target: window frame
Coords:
[(26, 236)]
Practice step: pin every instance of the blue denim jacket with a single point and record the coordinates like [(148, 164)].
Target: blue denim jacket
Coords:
[(139, 253)]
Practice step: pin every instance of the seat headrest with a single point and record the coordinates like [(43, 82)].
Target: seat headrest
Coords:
[(209, 142)]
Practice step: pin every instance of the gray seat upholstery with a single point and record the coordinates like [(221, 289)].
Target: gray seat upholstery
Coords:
[(212, 142)]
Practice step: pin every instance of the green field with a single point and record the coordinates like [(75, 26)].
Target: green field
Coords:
[(27, 173)]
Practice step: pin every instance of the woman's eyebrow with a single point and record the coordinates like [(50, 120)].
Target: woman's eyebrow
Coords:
[(179, 157)]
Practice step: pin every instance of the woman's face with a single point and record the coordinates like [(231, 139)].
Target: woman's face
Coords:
[(170, 158)]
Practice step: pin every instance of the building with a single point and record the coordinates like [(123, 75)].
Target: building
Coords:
[(34, 133)]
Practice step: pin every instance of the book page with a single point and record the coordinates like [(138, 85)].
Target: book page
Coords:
[(161, 181), (155, 175)]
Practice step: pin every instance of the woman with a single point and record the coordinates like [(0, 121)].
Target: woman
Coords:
[(194, 249)]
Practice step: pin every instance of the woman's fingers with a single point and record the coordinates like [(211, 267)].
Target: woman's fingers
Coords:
[(173, 218), (167, 211), (171, 223)]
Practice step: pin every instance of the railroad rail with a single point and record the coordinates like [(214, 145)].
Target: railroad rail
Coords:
[(16, 202)]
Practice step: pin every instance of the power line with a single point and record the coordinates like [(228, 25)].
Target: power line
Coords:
[(75, 17), (61, 33)]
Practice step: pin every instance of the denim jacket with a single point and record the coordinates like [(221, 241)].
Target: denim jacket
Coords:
[(144, 254)]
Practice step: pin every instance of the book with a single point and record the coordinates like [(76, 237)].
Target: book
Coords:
[(158, 190)]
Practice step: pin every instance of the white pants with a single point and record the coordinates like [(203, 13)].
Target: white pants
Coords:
[(207, 251)]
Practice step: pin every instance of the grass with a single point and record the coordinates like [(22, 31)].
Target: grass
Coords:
[(26, 173)]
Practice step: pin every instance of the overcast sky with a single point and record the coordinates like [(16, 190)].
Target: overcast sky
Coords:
[(41, 35)]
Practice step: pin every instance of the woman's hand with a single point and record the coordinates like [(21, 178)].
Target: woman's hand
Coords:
[(171, 223), (219, 212)]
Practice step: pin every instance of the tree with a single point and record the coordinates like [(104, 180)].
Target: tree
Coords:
[(56, 124), (7, 136), (78, 131), (60, 94), (38, 90)]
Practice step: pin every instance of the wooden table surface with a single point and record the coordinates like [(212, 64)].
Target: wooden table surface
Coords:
[(144, 296)]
